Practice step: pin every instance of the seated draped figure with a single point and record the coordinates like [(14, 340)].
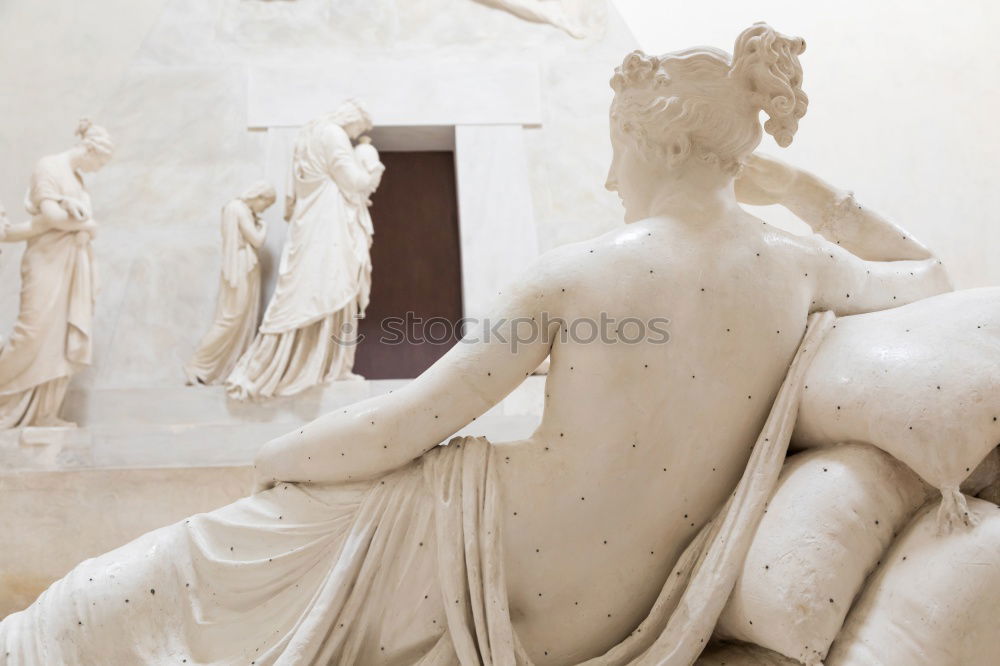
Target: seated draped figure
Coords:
[(618, 531)]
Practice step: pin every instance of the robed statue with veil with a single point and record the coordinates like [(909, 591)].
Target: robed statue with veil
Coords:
[(308, 335)]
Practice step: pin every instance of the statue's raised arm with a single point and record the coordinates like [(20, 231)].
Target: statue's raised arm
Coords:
[(864, 261), (831, 212)]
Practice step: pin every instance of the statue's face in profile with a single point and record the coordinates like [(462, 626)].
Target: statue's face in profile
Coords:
[(628, 174), (261, 203)]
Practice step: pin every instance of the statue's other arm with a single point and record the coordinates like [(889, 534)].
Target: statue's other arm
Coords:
[(837, 216), (848, 284), (383, 433), (52, 216), (860, 261), (16, 233), (831, 212)]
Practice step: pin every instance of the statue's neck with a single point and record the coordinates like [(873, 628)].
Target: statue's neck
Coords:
[(699, 193)]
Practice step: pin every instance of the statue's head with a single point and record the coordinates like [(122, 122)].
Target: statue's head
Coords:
[(704, 104), (353, 117), (259, 196), (94, 149)]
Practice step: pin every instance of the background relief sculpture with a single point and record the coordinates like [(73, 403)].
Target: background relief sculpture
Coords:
[(51, 339), (308, 333), (567, 15), (652, 517), (238, 304)]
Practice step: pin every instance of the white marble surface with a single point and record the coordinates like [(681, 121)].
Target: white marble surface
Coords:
[(496, 217), (398, 93)]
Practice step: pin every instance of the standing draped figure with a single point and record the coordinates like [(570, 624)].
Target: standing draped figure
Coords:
[(238, 304), (369, 158), (51, 339), (308, 333)]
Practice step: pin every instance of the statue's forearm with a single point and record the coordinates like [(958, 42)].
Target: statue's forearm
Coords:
[(72, 224), (354, 443), (838, 217), (19, 232)]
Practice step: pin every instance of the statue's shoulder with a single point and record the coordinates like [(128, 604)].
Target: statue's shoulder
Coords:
[(576, 263), (778, 239), (48, 179), (809, 246), (576, 252), (235, 206), (47, 166), (333, 131)]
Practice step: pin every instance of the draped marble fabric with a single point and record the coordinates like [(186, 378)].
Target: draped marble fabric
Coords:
[(324, 277), (238, 305), (402, 569), (51, 338)]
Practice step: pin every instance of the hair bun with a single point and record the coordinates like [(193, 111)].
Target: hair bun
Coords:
[(83, 127), (766, 63)]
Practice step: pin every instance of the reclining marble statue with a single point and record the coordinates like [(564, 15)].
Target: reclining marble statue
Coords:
[(308, 335), (238, 304), (609, 536), (51, 340)]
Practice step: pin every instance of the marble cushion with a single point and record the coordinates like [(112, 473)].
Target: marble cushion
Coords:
[(886, 379), (933, 602), (830, 520)]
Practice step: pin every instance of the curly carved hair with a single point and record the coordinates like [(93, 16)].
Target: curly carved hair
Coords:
[(706, 103)]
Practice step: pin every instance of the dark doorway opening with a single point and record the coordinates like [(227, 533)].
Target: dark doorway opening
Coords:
[(416, 297)]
